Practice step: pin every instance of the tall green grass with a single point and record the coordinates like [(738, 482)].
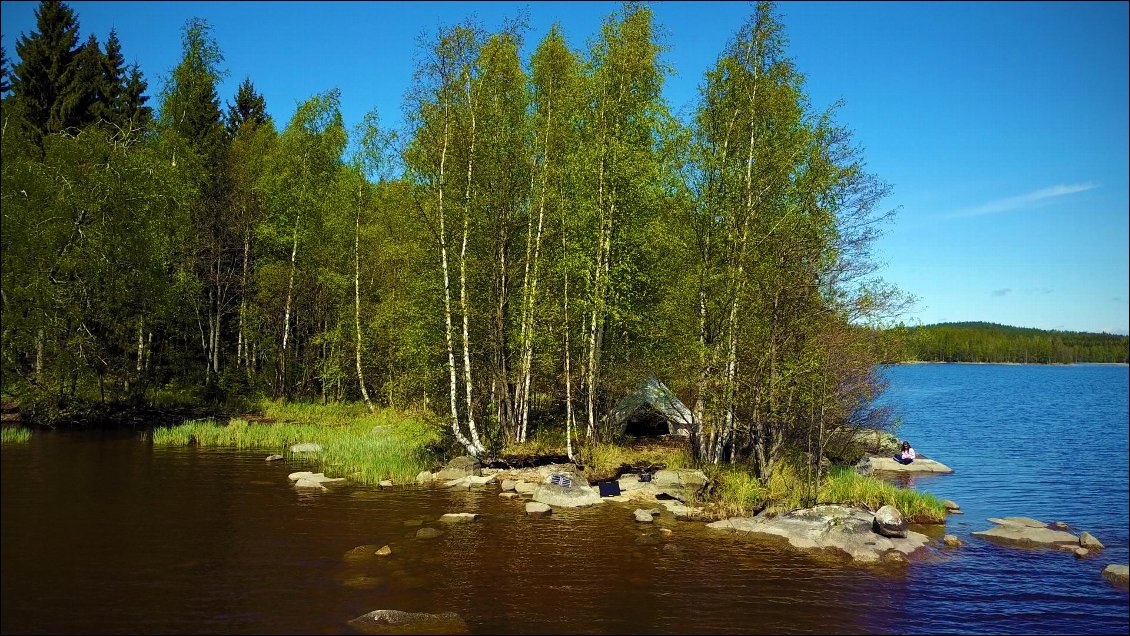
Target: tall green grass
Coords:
[(366, 447), (603, 460), (844, 485), (14, 435)]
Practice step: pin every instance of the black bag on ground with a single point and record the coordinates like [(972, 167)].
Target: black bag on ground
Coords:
[(609, 488)]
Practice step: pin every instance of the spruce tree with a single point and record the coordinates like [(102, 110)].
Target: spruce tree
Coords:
[(81, 92), (249, 108), (135, 113), (111, 107), (4, 85), (45, 57)]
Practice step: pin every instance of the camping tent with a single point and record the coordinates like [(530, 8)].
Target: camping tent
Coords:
[(640, 412)]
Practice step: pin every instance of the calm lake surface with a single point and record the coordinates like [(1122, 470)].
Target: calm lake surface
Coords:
[(101, 533)]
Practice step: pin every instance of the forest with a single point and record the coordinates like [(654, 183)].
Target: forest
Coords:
[(542, 236), (988, 342)]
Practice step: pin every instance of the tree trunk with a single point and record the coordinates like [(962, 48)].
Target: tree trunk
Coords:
[(289, 300), (357, 298), (467, 379)]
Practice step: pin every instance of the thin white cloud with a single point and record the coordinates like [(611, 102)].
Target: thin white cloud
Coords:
[(1031, 199)]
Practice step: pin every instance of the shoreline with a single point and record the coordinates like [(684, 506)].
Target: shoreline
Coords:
[(1012, 364)]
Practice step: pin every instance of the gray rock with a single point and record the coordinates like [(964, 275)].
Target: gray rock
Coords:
[(386, 483), (398, 622), (508, 485), (894, 556), (950, 505), (843, 528), (458, 517), (1087, 540), (424, 477), (308, 484), (525, 487), (361, 553), (574, 496), (537, 509), (889, 465), (645, 516), (1025, 531), (307, 447), (1081, 552), (1117, 574), (459, 468), (274, 458), (1061, 525), (683, 477), (299, 475), (413, 523), (384, 551), (428, 533), (682, 512), (1027, 522), (508, 495), (952, 541), (889, 522)]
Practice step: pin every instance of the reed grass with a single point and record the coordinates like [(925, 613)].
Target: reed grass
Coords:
[(15, 435), (603, 460), (366, 447), (844, 485)]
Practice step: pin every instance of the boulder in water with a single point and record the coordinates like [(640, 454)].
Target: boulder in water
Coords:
[(537, 509), (460, 467), (889, 522), (397, 622)]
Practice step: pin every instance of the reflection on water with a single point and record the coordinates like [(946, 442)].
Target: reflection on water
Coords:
[(103, 534)]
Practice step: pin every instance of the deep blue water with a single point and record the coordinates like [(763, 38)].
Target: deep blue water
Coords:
[(1048, 442)]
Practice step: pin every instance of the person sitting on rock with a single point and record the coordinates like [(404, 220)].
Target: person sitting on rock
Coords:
[(907, 455)]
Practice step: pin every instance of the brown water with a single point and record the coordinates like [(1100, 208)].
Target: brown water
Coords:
[(105, 534)]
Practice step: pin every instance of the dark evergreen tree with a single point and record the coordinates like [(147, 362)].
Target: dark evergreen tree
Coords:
[(136, 113), (250, 108), (111, 107), (4, 85), (81, 94), (45, 56)]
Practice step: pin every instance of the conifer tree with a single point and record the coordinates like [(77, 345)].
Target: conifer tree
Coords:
[(45, 56), (111, 107), (134, 109), (4, 85), (82, 90), (249, 107)]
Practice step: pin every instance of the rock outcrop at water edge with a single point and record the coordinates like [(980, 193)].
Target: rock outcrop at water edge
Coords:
[(386, 621), (889, 522), (1117, 574), (843, 528), (869, 465), (574, 496), (460, 467), (1025, 531)]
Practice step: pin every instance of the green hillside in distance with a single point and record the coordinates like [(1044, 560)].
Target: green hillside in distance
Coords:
[(990, 342)]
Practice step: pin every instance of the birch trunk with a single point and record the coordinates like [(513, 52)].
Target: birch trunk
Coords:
[(241, 356), (289, 300), (357, 297), (467, 379)]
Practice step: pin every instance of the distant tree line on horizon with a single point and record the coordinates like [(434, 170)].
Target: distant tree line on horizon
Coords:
[(989, 342), (542, 237)]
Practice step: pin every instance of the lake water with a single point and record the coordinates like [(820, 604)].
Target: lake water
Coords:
[(101, 533)]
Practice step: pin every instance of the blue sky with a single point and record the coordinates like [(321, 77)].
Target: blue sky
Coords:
[(1001, 126)]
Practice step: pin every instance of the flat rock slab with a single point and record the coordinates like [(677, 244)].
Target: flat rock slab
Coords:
[(681, 511), (645, 516), (525, 487), (889, 465), (458, 517), (1117, 574), (308, 447), (537, 509), (274, 458), (309, 484), (398, 622), (572, 497), (318, 478), (468, 481), (843, 528), (1025, 531)]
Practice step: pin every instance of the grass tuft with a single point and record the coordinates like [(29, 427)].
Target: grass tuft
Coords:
[(15, 435)]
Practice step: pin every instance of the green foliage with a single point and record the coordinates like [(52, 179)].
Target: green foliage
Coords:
[(844, 485), (14, 435), (988, 342), (44, 72), (366, 447)]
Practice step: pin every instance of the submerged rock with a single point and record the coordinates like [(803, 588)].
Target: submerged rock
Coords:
[(889, 465), (1026, 531), (843, 528), (1081, 552), (274, 458), (645, 516), (384, 551), (458, 517), (428, 533), (362, 552), (397, 622), (309, 484), (508, 495), (950, 506), (952, 541)]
